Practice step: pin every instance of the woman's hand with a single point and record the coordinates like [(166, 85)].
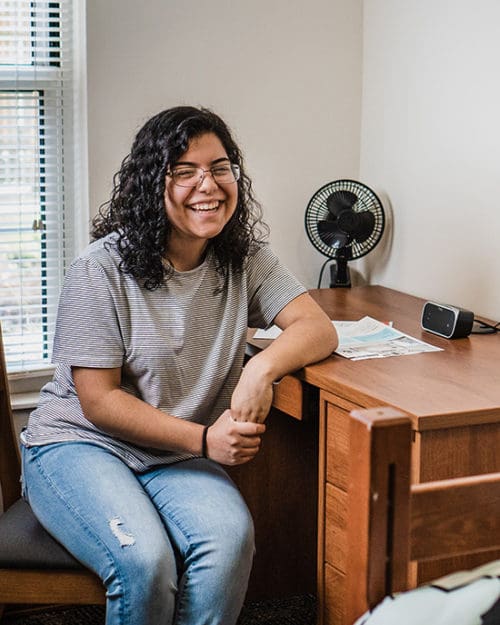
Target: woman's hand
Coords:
[(230, 442), (253, 395)]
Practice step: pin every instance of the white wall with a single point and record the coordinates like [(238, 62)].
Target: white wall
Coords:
[(431, 143), (285, 75)]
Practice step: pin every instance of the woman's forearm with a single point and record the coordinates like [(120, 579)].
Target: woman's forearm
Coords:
[(126, 417), (308, 336), (300, 344)]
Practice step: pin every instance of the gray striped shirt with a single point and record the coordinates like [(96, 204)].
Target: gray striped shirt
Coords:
[(180, 347)]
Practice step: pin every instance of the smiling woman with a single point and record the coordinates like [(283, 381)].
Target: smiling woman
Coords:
[(174, 143), (124, 456), (201, 195)]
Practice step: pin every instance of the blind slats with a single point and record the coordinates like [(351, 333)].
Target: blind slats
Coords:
[(36, 92), (32, 33)]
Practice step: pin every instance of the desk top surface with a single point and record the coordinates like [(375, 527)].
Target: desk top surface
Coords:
[(459, 385)]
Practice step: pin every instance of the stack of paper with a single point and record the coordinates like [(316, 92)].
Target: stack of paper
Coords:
[(366, 338)]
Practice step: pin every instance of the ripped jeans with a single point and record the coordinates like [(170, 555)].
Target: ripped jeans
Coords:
[(173, 545)]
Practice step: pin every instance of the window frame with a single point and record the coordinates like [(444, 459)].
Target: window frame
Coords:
[(75, 224)]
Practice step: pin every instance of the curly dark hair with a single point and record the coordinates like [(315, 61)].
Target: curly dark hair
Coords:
[(136, 210)]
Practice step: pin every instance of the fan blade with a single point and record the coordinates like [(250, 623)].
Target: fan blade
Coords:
[(330, 234), (365, 227), (339, 201), (357, 225)]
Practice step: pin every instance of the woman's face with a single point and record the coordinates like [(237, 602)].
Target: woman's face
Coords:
[(200, 213)]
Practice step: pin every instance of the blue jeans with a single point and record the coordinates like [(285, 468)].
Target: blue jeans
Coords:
[(173, 545)]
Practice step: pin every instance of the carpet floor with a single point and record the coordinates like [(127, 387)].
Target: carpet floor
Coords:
[(300, 610)]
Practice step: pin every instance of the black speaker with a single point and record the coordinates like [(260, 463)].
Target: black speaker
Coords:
[(447, 321)]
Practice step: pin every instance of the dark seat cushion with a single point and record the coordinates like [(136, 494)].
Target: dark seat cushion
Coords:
[(25, 544)]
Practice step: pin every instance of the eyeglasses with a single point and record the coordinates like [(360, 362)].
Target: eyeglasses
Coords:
[(188, 176)]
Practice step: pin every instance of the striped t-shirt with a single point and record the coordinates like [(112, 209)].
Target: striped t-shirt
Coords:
[(180, 347)]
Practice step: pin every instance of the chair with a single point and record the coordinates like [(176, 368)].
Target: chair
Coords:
[(34, 568), (393, 523)]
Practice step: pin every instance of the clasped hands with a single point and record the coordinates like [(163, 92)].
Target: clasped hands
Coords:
[(236, 435)]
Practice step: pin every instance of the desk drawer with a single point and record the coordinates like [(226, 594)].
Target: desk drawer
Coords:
[(336, 527), (337, 443), (335, 587), (295, 398), (289, 396)]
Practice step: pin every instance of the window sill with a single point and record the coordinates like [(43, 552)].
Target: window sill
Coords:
[(24, 401), (29, 382)]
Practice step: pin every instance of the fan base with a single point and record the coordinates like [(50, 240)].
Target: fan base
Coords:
[(339, 275)]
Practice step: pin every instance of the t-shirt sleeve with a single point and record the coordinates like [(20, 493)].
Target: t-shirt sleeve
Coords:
[(87, 329), (271, 286)]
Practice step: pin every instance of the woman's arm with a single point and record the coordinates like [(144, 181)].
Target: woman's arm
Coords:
[(308, 336), (126, 417)]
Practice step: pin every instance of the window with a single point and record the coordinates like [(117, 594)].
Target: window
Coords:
[(41, 171)]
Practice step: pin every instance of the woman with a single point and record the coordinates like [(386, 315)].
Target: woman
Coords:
[(123, 456)]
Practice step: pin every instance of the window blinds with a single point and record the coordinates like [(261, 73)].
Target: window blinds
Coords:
[(36, 95)]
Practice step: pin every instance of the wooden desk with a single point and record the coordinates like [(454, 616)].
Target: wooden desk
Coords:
[(452, 397)]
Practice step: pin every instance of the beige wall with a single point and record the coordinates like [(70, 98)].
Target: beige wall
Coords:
[(431, 143), (285, 74)]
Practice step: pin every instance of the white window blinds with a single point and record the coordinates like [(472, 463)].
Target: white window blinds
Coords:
[(37, 95)]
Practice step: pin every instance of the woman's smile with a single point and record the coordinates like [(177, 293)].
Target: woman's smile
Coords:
[(205, 207)]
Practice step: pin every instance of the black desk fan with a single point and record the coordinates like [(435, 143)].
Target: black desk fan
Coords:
[(344, 220)]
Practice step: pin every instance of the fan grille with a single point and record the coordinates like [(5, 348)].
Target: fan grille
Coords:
[(317, 210)]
